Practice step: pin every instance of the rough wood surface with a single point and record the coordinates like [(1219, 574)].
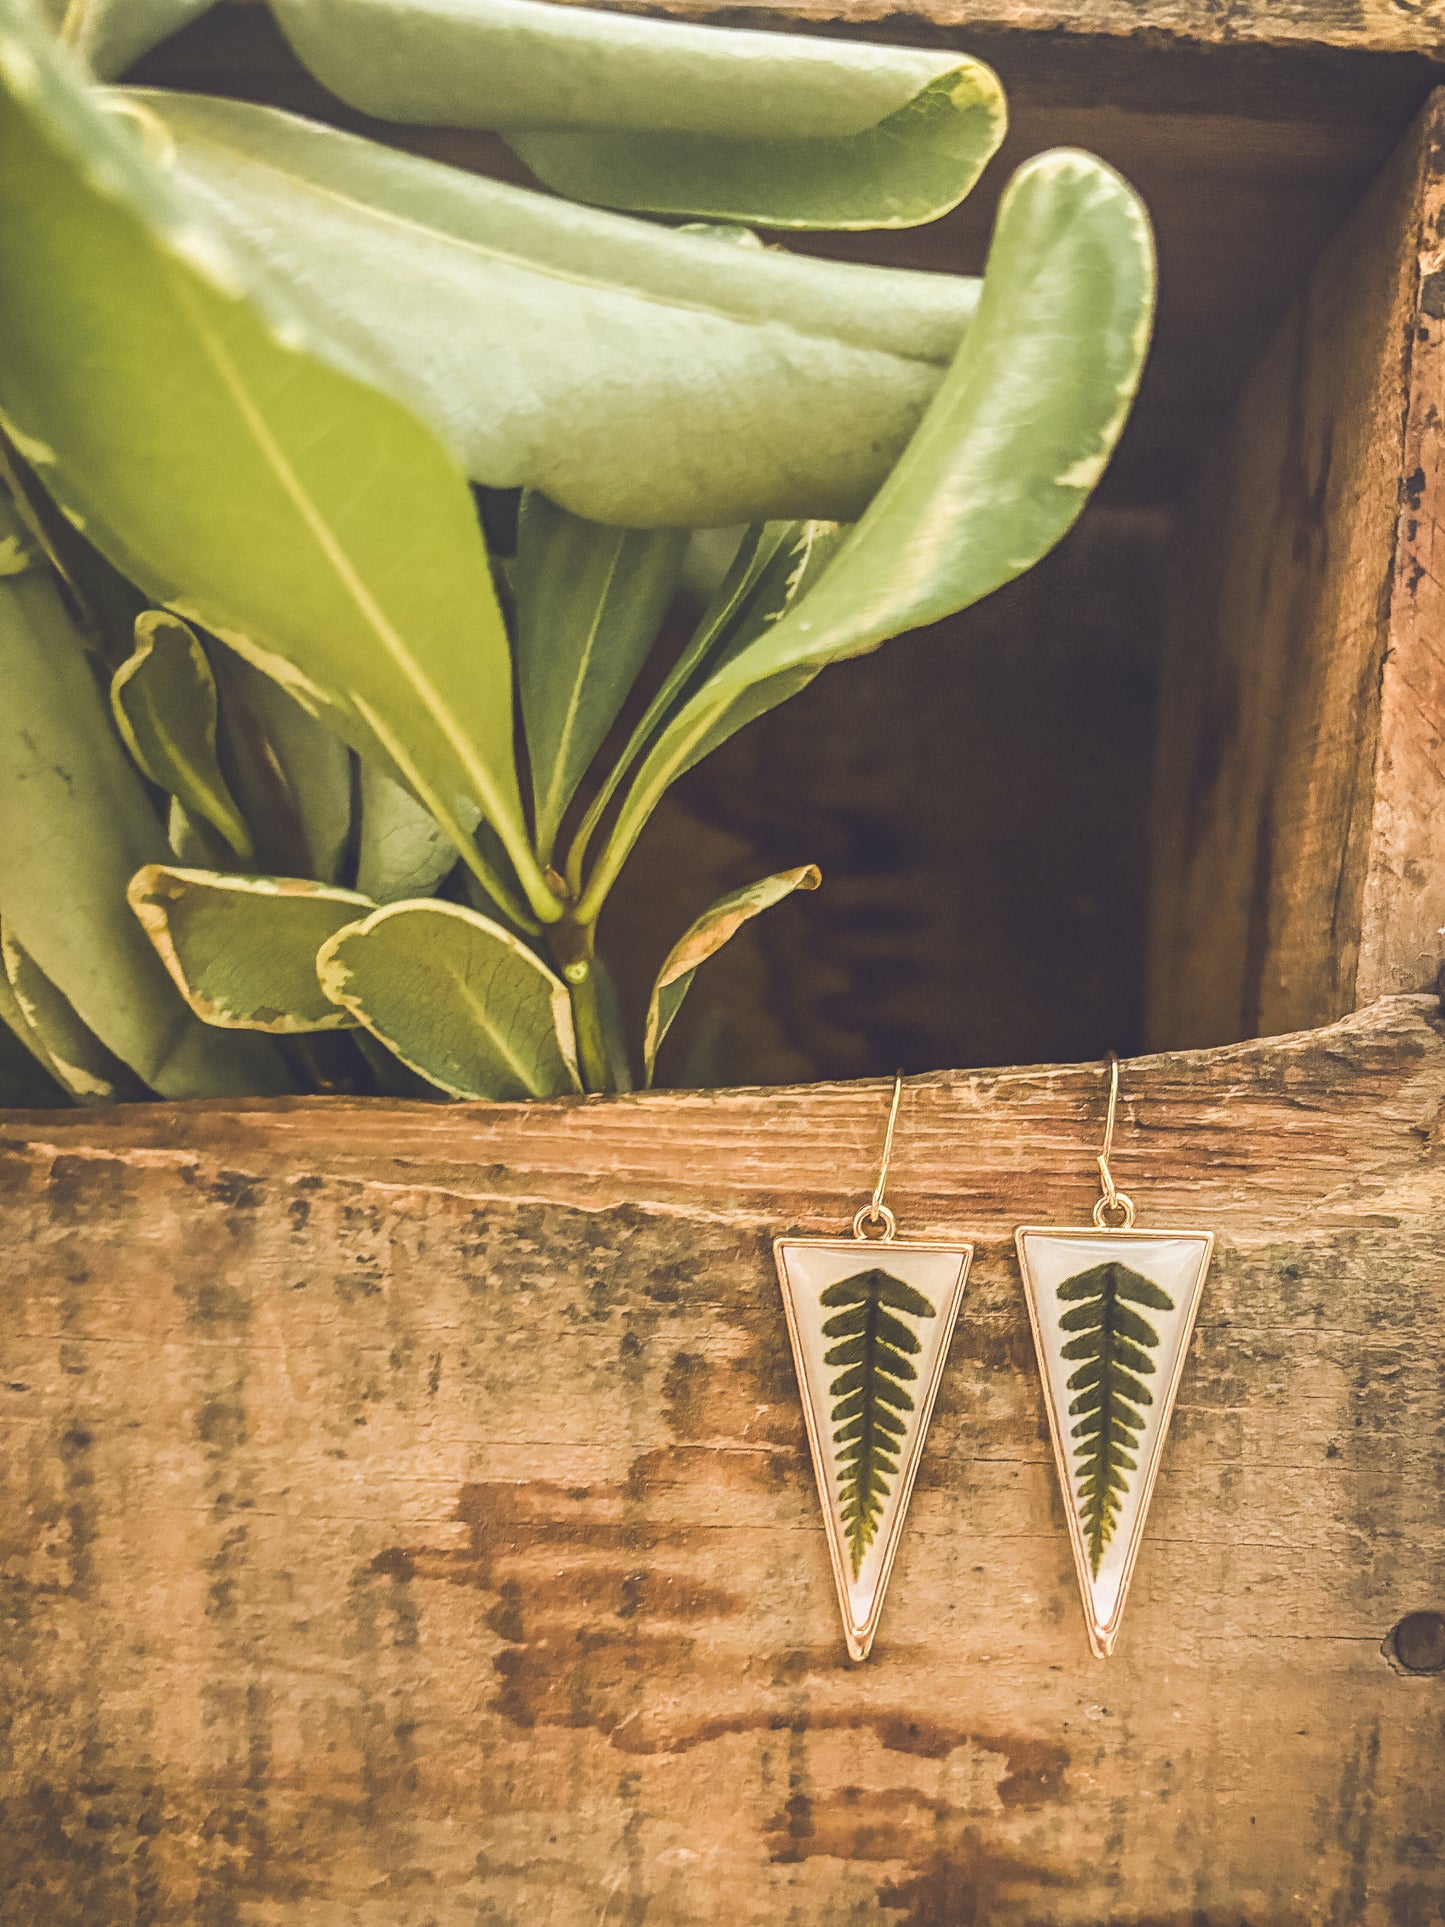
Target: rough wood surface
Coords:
[(1300, 854), (406, 1518), (1379, 26)]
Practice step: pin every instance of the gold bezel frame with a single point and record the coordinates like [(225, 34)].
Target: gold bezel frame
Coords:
[(1102, 1635), (860, 1641)]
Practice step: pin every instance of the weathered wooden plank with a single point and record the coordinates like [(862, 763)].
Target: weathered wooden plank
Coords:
[(1378, 26), (1300, 853), (406, 1516), (1404, 896)]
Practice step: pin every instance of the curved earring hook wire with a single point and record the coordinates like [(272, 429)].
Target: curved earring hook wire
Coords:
[(1113, 1199), (877, 1211)]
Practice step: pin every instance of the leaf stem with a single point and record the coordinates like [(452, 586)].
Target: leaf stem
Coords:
[(573, 948)]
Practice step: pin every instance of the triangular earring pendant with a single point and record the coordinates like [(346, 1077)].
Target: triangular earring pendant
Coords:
[(1112, 1311), (870, 1321)]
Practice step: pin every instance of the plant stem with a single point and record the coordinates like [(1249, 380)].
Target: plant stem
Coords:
[(572, 946)]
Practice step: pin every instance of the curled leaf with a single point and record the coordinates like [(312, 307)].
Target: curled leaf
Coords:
[(707, 936), (242, 950), (1001, 466), (668, 117), (457, 998), (164, 700)]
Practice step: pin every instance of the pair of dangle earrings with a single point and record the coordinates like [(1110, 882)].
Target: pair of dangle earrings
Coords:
[(870, 1317)]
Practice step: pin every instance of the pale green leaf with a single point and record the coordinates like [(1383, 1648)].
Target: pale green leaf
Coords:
[(231, 468), (704, 939), (590, 601), (242, 950), (638, 376), (72, 1053), (781, 129), (1004, 461), (402, 852), (15, 556), (457, 998), (77, 825), (164, 699)]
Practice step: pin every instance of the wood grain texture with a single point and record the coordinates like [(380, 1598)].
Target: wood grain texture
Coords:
[(1404, 895), (406, 1518), (1300, 836), (1381, 26)]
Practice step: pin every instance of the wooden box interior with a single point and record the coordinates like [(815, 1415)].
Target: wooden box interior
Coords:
[(988, 799)]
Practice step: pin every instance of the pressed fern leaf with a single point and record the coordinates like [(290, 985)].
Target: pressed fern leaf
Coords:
[(875, 1349), (1109, 1383)]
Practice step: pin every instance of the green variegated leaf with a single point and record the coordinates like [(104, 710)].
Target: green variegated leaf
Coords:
[(164, 700), (73, 1054), (634, 374), (707, 936), (457, 998), (1113, 1343), (874, 1346), (402, 851), (300, 514), (77, 825), (670, 118), (1005, 459), (242, 950)]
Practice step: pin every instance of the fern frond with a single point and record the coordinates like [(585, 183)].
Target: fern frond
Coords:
[(1113, 1344), (874, 1348)]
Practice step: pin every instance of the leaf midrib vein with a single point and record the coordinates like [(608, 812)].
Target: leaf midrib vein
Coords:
[(341, 563), (550, 809)]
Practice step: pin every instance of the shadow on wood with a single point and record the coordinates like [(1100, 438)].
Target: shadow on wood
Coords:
[(1299, 864)]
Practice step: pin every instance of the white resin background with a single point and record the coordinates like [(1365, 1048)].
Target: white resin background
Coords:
[(1176, 1262), (806, 1271)]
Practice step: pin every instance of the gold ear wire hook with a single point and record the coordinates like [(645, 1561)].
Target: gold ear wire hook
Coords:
[(1113, 1199), (877, 1211)]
